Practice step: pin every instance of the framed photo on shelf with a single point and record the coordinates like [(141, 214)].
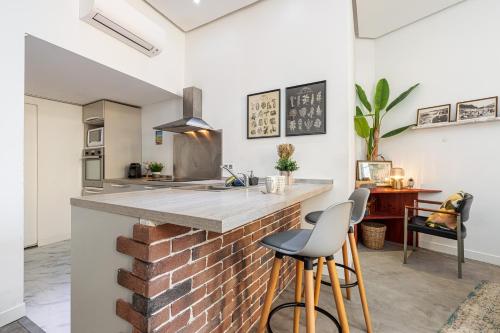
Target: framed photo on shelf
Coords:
[(306, 109), (433, 115), (479, 109), (263, 114), (377, 172)]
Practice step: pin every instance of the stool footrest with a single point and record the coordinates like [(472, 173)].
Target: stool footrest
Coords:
[(301, 305), (344, 286)]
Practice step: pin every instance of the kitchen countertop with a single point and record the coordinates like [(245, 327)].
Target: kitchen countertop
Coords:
[(209, 210), (158, 182)]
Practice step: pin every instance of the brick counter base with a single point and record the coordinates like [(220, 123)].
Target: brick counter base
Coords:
[(188, 280)]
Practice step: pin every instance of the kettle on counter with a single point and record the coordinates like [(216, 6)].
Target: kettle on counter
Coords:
[(135, 170)]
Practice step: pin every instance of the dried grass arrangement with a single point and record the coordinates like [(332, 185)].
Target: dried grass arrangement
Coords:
[(285, 150)]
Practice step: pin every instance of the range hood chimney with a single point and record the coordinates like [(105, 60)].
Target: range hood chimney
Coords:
[(192, 113)]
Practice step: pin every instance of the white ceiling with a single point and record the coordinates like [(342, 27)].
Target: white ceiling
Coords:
[(55, 73), (188, 15), (376, 18)]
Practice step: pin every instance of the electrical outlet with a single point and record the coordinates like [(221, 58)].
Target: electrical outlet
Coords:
[(228, 166)]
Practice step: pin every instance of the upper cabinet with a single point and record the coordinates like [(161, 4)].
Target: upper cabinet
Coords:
[(93, 114)]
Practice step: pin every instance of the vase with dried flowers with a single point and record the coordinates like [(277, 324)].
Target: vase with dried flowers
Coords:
[(285, 164)]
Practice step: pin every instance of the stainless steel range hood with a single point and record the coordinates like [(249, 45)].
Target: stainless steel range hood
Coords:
[(192, 114)]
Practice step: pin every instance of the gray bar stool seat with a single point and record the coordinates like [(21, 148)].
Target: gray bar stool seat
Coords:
[(305, 246), (287, 242), (313, 217), (360, 199)]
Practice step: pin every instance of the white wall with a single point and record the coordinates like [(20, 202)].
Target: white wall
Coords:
[(364, 75), (59, 166), (11, 165), (154, 115), (275, 44), (454, 55), (56, 21)]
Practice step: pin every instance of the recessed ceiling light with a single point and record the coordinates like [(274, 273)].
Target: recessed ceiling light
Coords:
[(197, 1)]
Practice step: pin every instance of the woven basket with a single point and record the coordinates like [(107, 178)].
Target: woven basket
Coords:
[(373, 235)]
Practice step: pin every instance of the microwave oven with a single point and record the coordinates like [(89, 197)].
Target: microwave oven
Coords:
[(95, 137)]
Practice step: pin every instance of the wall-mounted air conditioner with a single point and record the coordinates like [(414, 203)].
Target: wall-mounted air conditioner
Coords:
[(120, 19)]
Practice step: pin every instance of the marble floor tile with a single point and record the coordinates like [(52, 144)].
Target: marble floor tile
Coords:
[(23, 325), (47, 286)]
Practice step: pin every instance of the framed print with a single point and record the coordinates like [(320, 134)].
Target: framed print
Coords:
[(306, 109), (479, 109), (159, 137), (433, 115), (263, 114), (375, 171)]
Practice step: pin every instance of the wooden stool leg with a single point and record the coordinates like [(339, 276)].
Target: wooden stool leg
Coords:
[(345, 258), (299, 272), (271, 287), (337, 294), (310, 317), (319, 275), (361, 284)]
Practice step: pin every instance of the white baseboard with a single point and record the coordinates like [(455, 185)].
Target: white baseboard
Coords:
[(12, 314), (470, 254)]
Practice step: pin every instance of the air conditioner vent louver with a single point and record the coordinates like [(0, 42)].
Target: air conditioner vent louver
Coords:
[(126, 22), (124, 33)]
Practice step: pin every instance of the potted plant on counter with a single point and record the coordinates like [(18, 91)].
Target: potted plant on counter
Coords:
[(285, 164), (156, 169)]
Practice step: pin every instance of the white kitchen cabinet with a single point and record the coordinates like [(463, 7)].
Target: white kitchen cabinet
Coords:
[(122, 139), (93, 113)]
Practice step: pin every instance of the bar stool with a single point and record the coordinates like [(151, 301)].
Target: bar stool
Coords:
[(360, 198), (305, 245)]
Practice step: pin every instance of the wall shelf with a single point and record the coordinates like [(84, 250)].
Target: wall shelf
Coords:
[(454, 123)]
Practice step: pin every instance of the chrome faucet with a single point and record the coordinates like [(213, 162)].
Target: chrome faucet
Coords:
[(243, 180)]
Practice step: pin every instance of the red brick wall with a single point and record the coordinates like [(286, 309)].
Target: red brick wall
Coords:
[(188, 280)]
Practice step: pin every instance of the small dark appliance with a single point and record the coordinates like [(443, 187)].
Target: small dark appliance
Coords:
[(134, 170)]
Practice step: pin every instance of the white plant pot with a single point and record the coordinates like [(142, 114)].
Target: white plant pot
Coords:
[(156, 174), (288, 177)]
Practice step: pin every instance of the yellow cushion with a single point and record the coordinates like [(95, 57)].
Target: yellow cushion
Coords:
[(446, 221)]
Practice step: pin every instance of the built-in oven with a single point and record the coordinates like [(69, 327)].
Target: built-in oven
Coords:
[(93, 167)]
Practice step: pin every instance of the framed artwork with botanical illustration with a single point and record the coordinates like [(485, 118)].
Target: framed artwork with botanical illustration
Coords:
[(263, 114), (306, 109)]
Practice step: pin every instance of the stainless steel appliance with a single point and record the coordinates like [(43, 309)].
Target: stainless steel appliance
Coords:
[(95, 137), (93, 167), (192, 114)]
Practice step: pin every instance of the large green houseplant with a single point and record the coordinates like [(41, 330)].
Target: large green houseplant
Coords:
[(368, 122)]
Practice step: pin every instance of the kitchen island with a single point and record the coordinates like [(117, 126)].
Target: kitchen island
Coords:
[(177, 258)]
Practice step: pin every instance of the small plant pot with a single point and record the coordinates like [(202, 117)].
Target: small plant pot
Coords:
[(288, 177), (156, 174)]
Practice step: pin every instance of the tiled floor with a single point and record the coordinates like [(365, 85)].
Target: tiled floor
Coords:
[(47, 286), (417, 298), (23, 325)]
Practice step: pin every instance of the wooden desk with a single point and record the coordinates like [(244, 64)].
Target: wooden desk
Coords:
[(387, 206)]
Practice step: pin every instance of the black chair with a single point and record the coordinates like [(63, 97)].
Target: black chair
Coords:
[(416, 224)]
